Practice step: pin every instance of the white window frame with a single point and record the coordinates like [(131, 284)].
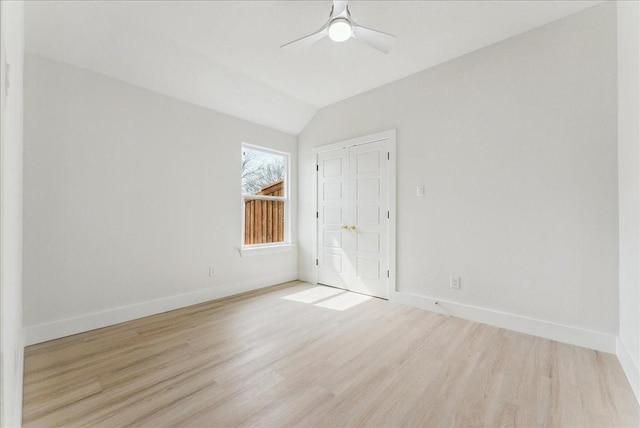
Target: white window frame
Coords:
[(271, 247)]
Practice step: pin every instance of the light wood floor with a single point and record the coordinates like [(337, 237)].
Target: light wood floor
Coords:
[(294, 356)]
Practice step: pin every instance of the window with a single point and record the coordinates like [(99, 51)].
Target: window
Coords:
[(265, 196)]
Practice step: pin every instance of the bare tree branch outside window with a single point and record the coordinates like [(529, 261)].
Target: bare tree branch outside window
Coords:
[(260, 169)]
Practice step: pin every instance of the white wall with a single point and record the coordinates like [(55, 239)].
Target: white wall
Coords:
[(129, 197), (516, 147), (11, 336), (629, 188)]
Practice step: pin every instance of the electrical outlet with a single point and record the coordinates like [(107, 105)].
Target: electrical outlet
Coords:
[(454, 282), (212, 271)]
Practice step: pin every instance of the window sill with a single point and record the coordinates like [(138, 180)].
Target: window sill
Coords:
[(267, 249)]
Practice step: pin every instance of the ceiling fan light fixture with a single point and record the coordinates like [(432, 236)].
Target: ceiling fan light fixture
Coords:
[(340, 29)]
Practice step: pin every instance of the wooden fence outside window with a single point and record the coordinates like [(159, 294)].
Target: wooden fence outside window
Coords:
[(264, 220)]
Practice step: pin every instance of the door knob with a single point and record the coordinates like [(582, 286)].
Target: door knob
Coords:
[(352, 227), (344, 226)]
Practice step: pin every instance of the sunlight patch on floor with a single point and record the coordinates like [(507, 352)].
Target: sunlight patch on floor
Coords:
[(314, 294), (328, 297), (343, 301)]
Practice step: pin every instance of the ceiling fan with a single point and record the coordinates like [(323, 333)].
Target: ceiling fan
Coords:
[(341, 27)]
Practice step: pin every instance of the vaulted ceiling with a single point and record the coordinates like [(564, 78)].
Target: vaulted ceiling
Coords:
[(225, 55)]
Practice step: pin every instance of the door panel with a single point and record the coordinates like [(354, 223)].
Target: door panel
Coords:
[(352, 218), (368, 188), (332, 239), (368, 268), (333, 168), (333, 263), (333, 215), (368, 214), (368, 161), (368, 185), (332, 191), (366, 241)]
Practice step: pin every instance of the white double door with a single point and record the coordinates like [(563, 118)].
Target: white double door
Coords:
[(353, 204)]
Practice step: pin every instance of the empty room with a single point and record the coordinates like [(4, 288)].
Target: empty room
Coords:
[(320, 213)]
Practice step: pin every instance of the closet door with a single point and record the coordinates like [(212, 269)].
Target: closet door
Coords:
[(333, 216), (353, 218), (368, 185)]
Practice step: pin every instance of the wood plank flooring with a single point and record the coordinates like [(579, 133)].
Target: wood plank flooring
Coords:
[(311, 356)]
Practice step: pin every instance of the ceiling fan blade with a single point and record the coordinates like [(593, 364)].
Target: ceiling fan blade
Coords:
[(339, 6), (376, 39), (306, 41)]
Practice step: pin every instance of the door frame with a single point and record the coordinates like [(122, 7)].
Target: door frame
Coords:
[(390, 136)]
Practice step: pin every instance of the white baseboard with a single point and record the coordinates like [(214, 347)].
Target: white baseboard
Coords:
[(66, 327), (629, 366), (536, 327)]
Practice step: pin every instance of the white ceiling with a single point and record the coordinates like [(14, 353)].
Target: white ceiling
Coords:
[(225, 55)]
